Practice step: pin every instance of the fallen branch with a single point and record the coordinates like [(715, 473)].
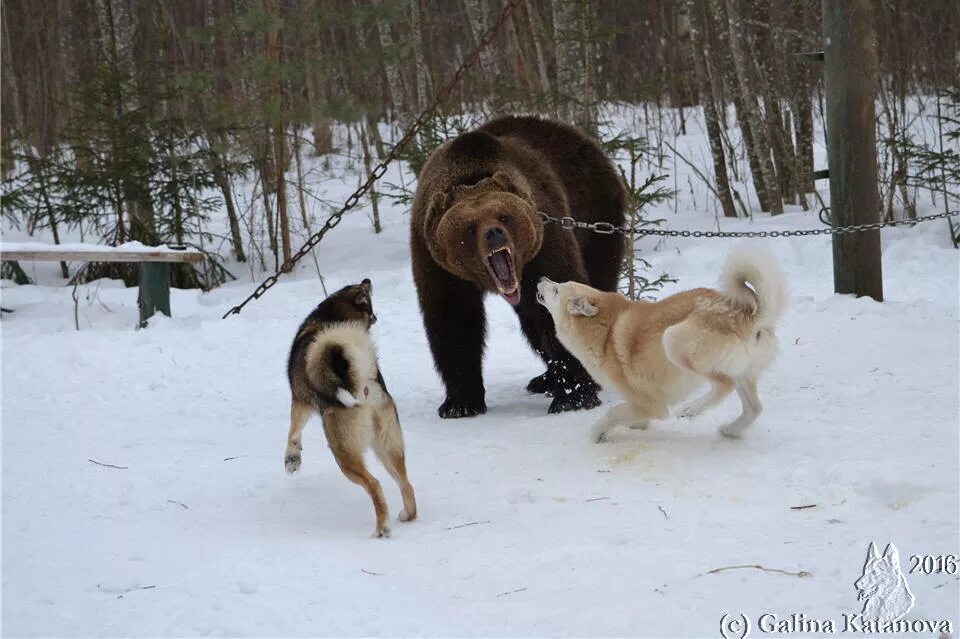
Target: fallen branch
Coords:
[(94, 461), (802, 573), (472, 523)]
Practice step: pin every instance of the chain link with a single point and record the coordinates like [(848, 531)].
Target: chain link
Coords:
[(606, 228), (381, 168)]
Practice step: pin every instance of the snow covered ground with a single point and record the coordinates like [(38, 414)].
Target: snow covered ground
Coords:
[(526, 527)]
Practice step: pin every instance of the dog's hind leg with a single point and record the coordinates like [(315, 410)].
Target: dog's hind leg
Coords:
[(747, 390), (720, 386), (388, 446), (351, 463), (299, 415)]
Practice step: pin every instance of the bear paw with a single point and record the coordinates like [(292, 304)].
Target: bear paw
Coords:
[(454, 409), (541, 384), (574, 401)]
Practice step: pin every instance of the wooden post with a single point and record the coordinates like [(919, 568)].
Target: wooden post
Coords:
[(850, 77), (154, 290)]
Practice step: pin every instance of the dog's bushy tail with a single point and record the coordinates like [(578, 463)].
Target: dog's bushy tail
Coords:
[(755, 265)]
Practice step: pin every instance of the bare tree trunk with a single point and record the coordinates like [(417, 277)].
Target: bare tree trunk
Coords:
[(477, 20), (539, 34), (223, 181), (279, 138), (754, 118), (729, 77), (420, 63), (699, 53), (298, 157), (391, 65), (573, 101), (368, 163), (800, 99), (683, 91)]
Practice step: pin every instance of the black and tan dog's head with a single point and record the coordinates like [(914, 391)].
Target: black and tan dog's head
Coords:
[(350, 303), (485, 232)]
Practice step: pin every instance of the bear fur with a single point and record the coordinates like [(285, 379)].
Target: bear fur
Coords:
[(476, 228)]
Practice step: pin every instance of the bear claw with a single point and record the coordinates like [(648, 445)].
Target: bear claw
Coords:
[(562, 403), (451, 409)]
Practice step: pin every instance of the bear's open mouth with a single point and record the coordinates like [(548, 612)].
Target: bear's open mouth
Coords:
[(500, 266)]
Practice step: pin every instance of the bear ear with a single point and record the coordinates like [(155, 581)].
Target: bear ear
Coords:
[(436, 207), (580, 306), (506, 182)]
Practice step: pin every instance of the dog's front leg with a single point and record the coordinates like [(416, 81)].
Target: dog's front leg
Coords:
[(635, 414), (621, 414)]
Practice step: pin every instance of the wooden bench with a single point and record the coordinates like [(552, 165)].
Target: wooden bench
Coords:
[(154, 264)]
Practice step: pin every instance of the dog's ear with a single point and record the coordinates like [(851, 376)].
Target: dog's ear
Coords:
[(367, 285), (580, 306), (872, 552), (892, 557)]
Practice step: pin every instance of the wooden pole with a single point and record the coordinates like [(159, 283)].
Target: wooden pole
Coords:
[(850, 78)]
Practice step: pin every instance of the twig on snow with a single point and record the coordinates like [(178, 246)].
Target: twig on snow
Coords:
[(665, 516), (229, 458), (472, 523), (121, 593), (370, 572), (803, 507), (178, 503), (94, 461), (802, 573), (510, 592), (596, 499)]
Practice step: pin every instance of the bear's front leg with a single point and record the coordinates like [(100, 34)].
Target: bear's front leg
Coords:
[(574, 389), (456, 328), (566, 380)]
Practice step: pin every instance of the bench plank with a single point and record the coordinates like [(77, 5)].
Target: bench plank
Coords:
[(104, 255)]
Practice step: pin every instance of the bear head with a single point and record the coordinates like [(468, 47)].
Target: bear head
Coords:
[(486, 232)]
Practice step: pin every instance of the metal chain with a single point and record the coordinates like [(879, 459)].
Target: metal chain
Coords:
[(606, 228), (381, 168)]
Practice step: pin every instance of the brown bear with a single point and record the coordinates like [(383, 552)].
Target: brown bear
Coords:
[(476, 228)]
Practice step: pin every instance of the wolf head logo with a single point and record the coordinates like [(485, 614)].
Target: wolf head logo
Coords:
[(883, 588)]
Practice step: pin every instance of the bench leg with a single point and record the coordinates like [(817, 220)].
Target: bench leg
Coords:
[(154, 290)]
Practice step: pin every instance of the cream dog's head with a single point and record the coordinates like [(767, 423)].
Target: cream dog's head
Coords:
[(567, 300)]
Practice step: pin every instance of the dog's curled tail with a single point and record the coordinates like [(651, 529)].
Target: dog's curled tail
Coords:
[(755, 265)]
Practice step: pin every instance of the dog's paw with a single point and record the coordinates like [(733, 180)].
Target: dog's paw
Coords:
[(292, 462), (406, 516), (731, 431), (382, 532), (689, 411), (601, 433), (455, 409)]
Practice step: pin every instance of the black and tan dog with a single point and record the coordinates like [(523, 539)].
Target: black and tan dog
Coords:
[(333, 372)]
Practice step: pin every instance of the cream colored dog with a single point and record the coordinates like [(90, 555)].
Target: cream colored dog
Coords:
[(657, 353)]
